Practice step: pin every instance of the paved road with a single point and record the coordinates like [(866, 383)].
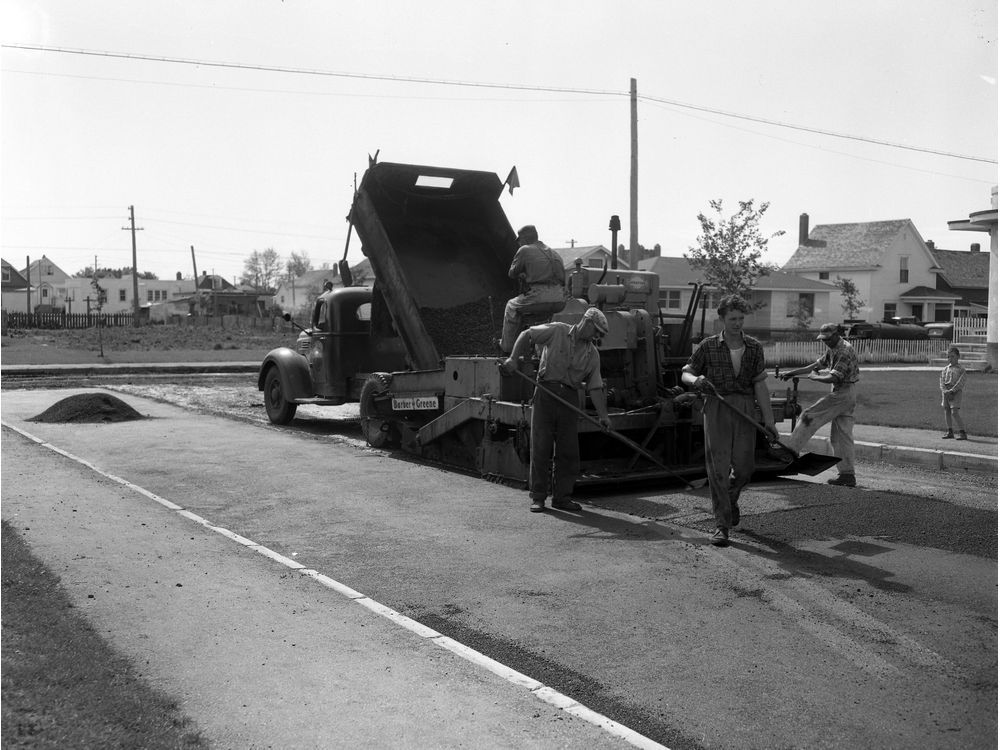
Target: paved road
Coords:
[(838, 618)]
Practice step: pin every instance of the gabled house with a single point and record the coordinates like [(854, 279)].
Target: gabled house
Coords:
[(888, 261), (592, 256), (966, 274), (782, 297), (13, 289), (48, 284)]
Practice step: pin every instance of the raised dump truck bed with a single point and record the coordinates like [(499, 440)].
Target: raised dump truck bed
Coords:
[(440, 246)]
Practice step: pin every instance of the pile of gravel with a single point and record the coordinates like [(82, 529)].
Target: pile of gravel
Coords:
[(87, 408)]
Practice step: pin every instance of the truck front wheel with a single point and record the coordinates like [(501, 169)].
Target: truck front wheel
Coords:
[(376, 427), (279, 409)]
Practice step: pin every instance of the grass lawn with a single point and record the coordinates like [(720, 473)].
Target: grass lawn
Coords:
[(62, 685), (891, 398), (912, 399)]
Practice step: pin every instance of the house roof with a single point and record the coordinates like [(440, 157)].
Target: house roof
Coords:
[(964, 269), (678, 272), (17, 281), (570, 254), (857, 245), (926, 291)]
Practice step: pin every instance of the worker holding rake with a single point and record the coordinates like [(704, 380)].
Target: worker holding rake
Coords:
[(730, 367)]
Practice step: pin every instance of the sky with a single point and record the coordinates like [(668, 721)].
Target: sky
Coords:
[(240, 126)]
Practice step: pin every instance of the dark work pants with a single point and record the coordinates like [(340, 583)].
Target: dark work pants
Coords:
[(554, 440), (729, 453)]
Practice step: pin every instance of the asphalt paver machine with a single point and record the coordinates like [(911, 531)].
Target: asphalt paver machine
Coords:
[(418, 350)]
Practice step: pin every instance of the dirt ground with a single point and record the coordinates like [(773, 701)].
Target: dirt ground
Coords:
[(146, 344)]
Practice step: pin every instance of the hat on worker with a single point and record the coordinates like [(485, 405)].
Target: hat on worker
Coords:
[(828, 331), (600, 321)]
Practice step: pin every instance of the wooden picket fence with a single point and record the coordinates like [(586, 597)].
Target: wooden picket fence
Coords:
[(58, 320), (870, 351)]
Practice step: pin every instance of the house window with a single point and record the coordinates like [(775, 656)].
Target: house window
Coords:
[(595, 263), (663, 298), (904, 270), (45, 292), (121, 295), (802, 305), (48, 271), (149, 295), (674, 299), (709, 300), (6, 274), (888, 311), (824, 275)]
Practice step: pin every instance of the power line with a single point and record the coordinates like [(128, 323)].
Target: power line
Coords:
[(476, 84)]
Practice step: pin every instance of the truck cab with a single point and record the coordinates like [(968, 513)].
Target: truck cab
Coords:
[(331, 358)]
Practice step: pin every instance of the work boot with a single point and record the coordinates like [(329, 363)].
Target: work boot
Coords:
[(566, 505), (844, 480), (962, 435), (537, 506), (948, 435), (719, 537)]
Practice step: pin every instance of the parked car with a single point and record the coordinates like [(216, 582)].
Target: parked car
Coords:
[(943, 331), (887, 330)]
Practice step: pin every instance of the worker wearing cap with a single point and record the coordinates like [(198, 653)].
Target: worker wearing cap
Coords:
[(540, 269), (569, 363), (839, 367), (730, 367)]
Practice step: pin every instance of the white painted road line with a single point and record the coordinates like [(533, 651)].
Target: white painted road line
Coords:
[(546, 694)]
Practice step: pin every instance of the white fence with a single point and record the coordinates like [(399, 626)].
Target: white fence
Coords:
[(969, 327), (870, 351)]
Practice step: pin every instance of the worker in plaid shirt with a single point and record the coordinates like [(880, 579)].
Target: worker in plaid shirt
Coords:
[(734, 364), (838, 367)]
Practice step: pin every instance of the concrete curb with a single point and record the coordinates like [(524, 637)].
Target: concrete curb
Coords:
[(902, 455)]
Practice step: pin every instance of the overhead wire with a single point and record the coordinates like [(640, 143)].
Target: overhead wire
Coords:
[(489, 85)]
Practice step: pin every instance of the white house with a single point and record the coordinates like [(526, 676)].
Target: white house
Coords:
[(891, 265), (780, 296)]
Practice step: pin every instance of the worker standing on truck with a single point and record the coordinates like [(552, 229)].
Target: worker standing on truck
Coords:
[(541, 272), (732, 363), (569, 363), (838, 367)]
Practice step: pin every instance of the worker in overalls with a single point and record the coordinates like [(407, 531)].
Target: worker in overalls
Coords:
[(569, 364), (540, 271)]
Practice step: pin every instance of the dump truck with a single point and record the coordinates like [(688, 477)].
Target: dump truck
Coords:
[(418, 350)]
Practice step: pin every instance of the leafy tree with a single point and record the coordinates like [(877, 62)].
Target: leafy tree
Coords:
[(852, 303), (298, 264), (116, 273), (262, 269), (802, 317), (729, 250)]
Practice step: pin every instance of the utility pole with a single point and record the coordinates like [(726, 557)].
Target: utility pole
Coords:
[(135, 268), (572, 244), (633, 240), (27, 290)]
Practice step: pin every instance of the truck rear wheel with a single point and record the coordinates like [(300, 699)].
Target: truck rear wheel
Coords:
[(279, 409), (376, 425)]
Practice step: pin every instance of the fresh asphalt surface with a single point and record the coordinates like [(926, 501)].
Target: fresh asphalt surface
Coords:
[(819, 638)]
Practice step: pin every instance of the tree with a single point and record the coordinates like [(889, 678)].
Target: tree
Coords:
[(117, 273), (262, 269), (852, 303), (298, 264), (729, 250)]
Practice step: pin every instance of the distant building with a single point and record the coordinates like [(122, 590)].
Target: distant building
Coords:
[(894, 270), (782, 297), (965, 274)]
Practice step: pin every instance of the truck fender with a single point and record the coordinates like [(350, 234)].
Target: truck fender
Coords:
[(296, 382)]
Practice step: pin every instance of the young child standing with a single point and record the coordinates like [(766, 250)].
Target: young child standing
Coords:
[(952, 383)]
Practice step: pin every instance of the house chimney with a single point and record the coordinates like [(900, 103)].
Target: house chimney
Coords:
[(974, 247), (930, 244), (803, 229), (179, 276)]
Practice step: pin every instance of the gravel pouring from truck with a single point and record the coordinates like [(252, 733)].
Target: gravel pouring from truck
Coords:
[(418, 349)]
